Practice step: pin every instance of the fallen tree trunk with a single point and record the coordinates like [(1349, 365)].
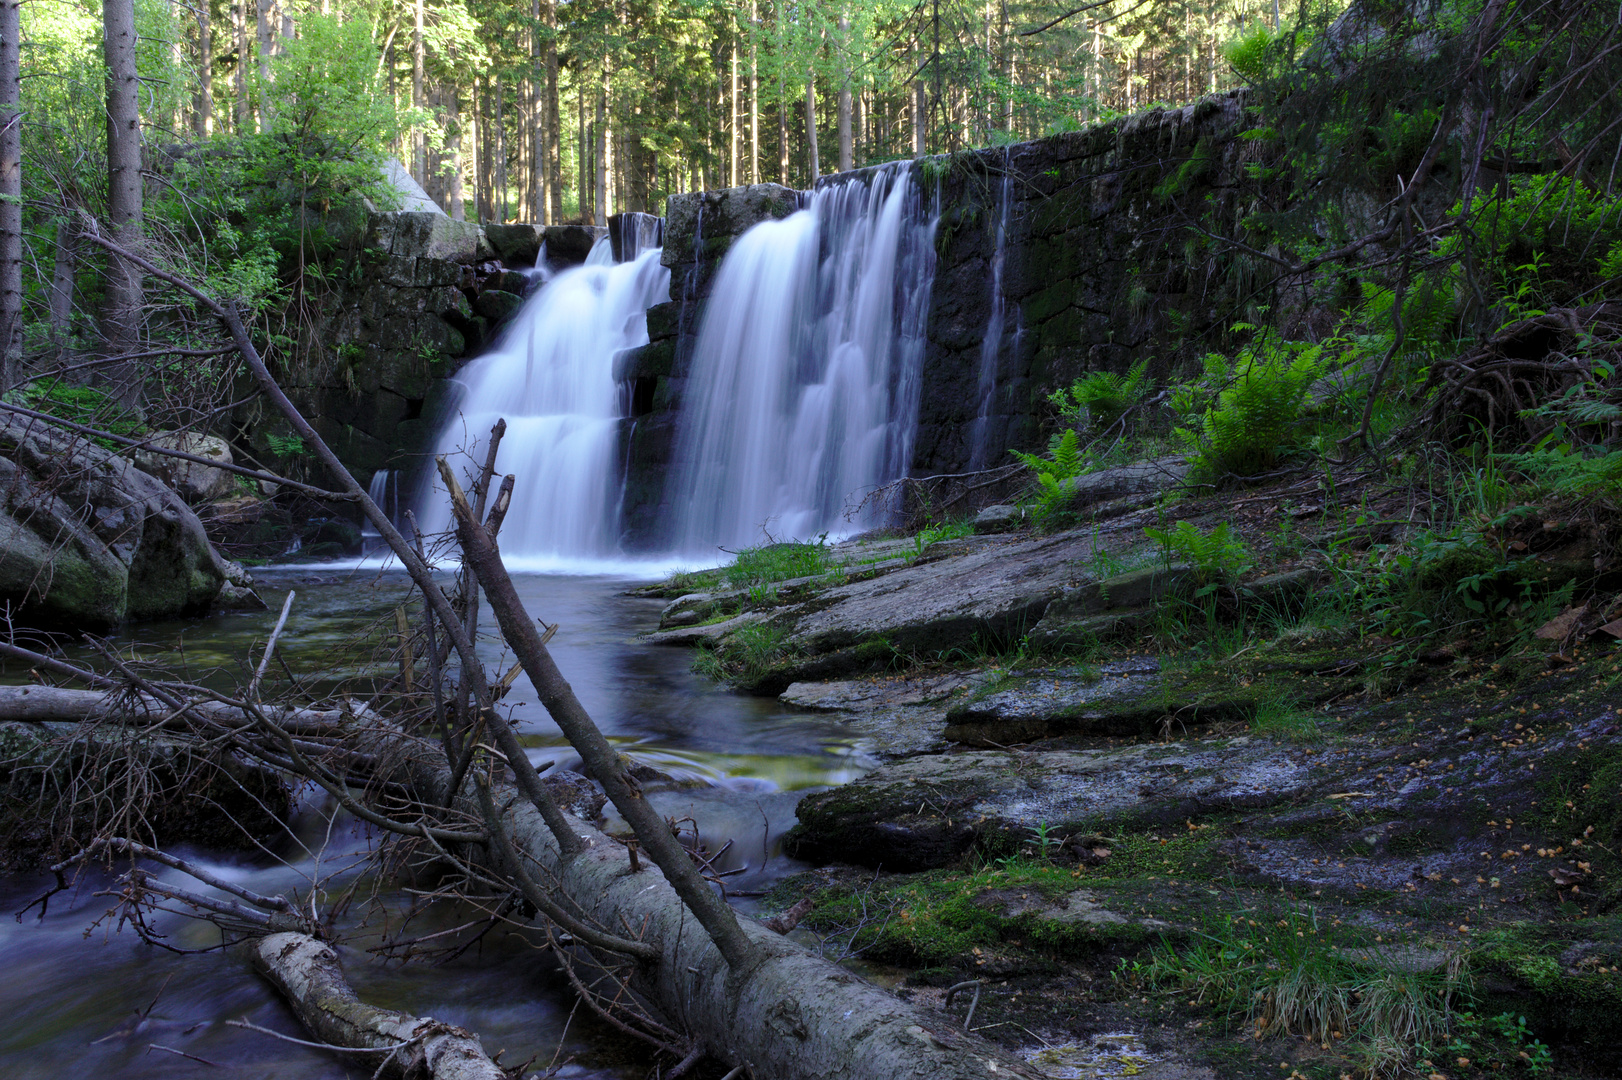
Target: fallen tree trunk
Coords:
[(390, 1043), (792, 1015), (41, 704)]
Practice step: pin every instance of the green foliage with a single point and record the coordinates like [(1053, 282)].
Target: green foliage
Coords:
[(778, 562), (79, 405), (1218, 555), (1287, 973), (285, 446), (1100, 397), (1548, 239), (1064, 461), (1244, 414), (934, 534), (1564, 473), (743, 657)]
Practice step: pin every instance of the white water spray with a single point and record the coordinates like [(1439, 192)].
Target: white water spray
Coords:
[(803, 394), (552, 378)]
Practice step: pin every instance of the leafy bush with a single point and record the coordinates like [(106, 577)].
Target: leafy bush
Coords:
[(1549, 239), (1567, 474), (1100, 397), (1218, 555), (1243, 414)]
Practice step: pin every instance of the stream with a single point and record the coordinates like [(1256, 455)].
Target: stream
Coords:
[(103, 1003)]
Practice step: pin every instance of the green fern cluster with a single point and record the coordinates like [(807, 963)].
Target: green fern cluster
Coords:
[(1064, 461), (1218, 555), (1571, 475), (1243, 415), (1101, 396)]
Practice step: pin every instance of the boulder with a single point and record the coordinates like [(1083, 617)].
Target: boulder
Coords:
[(498, 305), (1139, 478), (515, 245), (424, 234), (999, 518), (88, 540), (195, 483), (566, 245)]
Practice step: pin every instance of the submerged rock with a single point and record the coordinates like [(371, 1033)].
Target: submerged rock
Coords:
[(87, 539)]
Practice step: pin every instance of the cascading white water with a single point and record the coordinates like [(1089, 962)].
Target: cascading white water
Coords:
[(803, 392), (384, 490), (552, 378)]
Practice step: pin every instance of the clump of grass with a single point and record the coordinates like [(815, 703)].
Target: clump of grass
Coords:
[(779, 562), (1281, 718), (1285, 973), (743, 657)]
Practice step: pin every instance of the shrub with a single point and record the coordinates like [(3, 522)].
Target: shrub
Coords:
[(78, 405), (1244, 413)]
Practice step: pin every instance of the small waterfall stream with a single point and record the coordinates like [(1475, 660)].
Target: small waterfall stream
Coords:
[(803, 392), (552, 378), (991, 346)]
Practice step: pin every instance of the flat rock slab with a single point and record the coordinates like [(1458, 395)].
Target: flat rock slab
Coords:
[(859, 694), (998, 589), (924, 812)]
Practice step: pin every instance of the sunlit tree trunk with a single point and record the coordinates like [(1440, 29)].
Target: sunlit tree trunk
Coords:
[(500, 197), (419, 143), (732, 120), (812, 162), (11, 193), (919, 105), (603, 143), (847, 152), (754, 93), (455, 205), (122, 313), (263, 35), (204, 119), (1007, 70), (586, 185), (553, 157), (239, 77)]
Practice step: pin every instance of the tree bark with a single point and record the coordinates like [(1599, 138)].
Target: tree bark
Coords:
[(754, 94), (603, 143), (262, 34), (539, 183), (122, 314), (203, 124), (454, 195), (308, 974), (419, 144), (813, 164), (732, 120), (554, 152), (792, 1016), (63, 269), (45, 704), (239, 30), (11, 191), (500, 199), (847, 154)]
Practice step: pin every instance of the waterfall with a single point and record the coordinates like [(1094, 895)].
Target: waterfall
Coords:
[(384, 490), (551, 376), (991, 345), (803, 392)]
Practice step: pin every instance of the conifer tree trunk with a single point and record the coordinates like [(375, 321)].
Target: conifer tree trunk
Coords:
[(554, 153), (537, 114), (11, 191), (583, 180), (500, 198), (239, 78), (754, 93), (419, 144), (63, 269), (204, 118), (122, 313), (454, 195), (600, 203), (811, 128), (1007, 71), (262, 36), (846, 150), (732, 120)]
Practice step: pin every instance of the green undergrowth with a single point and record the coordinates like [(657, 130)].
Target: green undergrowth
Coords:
[(778, 562), (79, 405), (1291, 970), (953, 918)]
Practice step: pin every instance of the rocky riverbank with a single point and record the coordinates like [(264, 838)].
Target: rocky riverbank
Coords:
[(1231, 814)]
